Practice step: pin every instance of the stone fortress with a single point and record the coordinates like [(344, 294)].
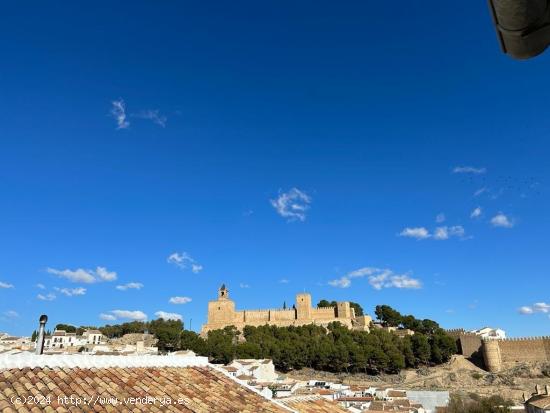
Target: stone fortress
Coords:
[(500, 354), (222, 313)]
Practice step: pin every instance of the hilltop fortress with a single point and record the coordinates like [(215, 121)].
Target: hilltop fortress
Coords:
[(222, 313)]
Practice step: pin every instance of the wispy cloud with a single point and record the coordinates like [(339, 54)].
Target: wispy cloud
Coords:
[(469, 170), (535, 308), (118, 111), (283, 281), (70, 292), (440, 218), (502, 221), (11, 314), (46, 297), (243, 285), (40, 286), (129, 286), (183, 260), (416, 232), (5, 285), (153, 115), (169, 316), (85, 276), (480, 191), (444, 233), (179, 300), (476, 213), (107, 317), (135, 315), (292, 205), (379, 278)]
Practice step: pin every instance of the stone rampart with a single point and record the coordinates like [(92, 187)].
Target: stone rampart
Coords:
[(501, 354)]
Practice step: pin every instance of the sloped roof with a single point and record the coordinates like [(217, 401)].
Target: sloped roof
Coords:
[(191, 389), (541, 401), (312, 404)]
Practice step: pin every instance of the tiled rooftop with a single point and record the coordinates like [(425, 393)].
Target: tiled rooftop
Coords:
[(191, 389), (312, 404)]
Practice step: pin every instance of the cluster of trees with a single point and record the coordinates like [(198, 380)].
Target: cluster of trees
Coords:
[(390, 317), (335, 348), (476, 404), (357, 307)]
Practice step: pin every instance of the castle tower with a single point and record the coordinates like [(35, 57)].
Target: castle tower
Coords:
[(491, 355), (222, 310), (343, 310), (303, 306), (223, 293)]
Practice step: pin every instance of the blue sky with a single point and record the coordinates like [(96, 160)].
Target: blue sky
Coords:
[(276, 147)]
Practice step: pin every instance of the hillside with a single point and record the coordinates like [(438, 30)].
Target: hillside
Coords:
[(457, 376)]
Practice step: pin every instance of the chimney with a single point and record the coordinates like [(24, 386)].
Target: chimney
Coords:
[(546, 389), (537, 391), (524, 398), (41, 333)]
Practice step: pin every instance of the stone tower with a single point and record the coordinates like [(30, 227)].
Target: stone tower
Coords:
[(491, 355), (222, 310), (343, 309), (303, 306)]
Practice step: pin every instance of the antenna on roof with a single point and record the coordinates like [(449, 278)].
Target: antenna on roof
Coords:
[(40, 340)]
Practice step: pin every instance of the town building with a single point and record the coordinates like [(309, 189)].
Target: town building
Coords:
[(539, 402), (222, 313), (490, 333)]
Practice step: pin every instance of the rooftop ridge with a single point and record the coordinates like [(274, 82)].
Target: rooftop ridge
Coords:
[(85, 361)]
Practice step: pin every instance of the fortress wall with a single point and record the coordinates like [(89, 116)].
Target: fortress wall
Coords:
[(470, 344), (282, 315), (524, 349), (256, 316), (323, 313)]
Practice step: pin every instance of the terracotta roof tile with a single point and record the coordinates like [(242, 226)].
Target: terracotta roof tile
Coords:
[(312, 404), (192, 389)]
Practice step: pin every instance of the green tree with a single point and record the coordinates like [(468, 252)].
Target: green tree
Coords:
[(388, 316), (357, 307), (168, 333)]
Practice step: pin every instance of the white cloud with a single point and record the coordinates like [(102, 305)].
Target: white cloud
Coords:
[(105, 275), (5, 285), (129, 286), (283, 281), (476, 213), (153, 115), (107, 317), (47, 297), (243, 285), (11, 314), (469, 170), (443, 233), (535, 308), (526, 310), (85, 276), (179, 300), (169, 316), (118, 111), (378, 279), (70, 292), (292, 205), (440, 218), (129, 315), (343, 282), (502, 221), (480, 191), (40, 286), (418, 233), (183, 260)]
